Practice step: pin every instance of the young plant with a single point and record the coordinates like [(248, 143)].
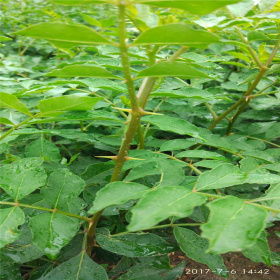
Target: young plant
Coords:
[(154, 127)]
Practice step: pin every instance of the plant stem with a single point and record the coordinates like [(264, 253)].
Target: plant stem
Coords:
[(264, 207), (268, 142), (137, 107), (141, 138), (124, 57), (261, 74), (15, 127), (211, 110), (250, 49), (46, 209)]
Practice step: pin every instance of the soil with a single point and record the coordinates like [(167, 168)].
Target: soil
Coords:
[(235, 262)]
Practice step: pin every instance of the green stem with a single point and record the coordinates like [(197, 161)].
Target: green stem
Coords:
[(15, 127), (250, 49), (264, 207), (125, 58), (261, 74), (46, 209), (141, 138), (137, 107), (268, 142), (211, 110)]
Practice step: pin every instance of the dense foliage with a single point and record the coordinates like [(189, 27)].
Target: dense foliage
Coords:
[(131, 129)]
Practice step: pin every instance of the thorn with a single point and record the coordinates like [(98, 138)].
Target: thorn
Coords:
[(131, 158), (143, 112), (109, 157), (122, 109)]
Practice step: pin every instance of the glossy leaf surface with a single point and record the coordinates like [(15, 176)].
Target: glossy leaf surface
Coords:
[(63, 186), (10, 219), (172, 69), (52, 231), (59, 105), (134, 244), (117, 193), (176, 34), (11, 101), (22, 177), (229, 227), (63, 33), (82, 71), (80, 267), (159, 204), (195, 248)]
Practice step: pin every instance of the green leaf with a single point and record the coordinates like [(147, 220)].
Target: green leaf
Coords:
[(5, 121), (82, 71), (81, 267), (98, 172), (242, 8), (159, 204), (202, 154), (177, 144), (176, 34), (263, 155), (172, 69), (195, 246), (43, 148), (257, 36), (272, 199), (22, 177), (52, 231), (63, 33), (171, 171), (200, 7), (9, 270), (173, 124), (22, 250), (117, 193), (10, 219), (62, 187), (10, 101), (134, 244), (55, 105), (260, 251), (172, 174), (233, 225), (224, 175), (148, 272)]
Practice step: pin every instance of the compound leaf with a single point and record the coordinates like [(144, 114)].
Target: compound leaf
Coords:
[(82, 71), (173, 124), (63, 33), (233, 225), (61, 104), (195, 246), (10, 219), (172, 69), (44, 149), (52, 231), (11, 101), (159, 204), (81, 267), (22, 177), (224, 175), (134, 244), (63, 186), (117, 193)]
